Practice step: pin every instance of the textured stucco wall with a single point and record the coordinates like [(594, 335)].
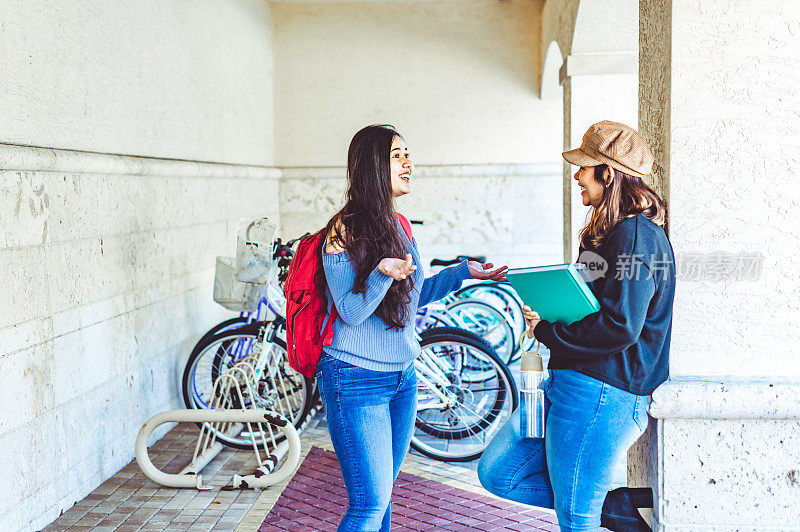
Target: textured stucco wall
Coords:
[(655, 44), (510, 213), (460, 78), (138, 78), (741, 474), (723, 112), (720, 105), (108, 259)]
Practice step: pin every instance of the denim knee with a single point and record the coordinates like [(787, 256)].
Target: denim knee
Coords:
[(490, 479)]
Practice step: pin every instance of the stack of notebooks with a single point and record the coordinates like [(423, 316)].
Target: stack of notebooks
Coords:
[(558, 293)]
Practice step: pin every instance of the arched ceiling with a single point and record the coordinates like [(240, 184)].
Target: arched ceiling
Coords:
[(590, 27)]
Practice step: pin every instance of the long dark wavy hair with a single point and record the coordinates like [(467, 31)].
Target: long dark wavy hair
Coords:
[(366, 227), (625, 197)]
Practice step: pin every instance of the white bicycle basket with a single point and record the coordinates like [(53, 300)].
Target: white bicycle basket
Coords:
[(255, 246), (232, 293)]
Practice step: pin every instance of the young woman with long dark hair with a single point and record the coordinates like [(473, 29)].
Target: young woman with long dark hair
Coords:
[(373, 274), (604, 366)]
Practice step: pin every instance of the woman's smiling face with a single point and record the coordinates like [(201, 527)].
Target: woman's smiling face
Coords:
[(591, 190), (400, 167)]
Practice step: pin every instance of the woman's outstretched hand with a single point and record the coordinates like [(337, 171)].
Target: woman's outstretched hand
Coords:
[(487, 272), (397, 269), (531, 319)]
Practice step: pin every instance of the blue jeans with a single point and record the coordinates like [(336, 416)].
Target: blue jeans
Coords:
[(589, 427), (371, 418)]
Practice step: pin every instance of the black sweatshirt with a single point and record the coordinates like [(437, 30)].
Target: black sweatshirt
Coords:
[(625, 343)]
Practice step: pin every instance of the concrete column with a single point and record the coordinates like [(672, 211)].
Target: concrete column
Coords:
[(720, 104), (597, 86)]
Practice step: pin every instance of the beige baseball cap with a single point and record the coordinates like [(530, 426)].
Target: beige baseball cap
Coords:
[(616, 145)]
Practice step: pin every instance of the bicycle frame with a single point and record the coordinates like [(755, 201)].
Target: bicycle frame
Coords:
[(430, 372), (432, 375)]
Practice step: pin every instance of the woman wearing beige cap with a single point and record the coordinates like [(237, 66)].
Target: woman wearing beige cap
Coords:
[(604, 366)]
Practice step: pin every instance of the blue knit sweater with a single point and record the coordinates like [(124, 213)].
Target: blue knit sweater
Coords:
[(359, 336)]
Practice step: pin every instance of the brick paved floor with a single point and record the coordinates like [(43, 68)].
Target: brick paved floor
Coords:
[(315, 500), (129, 501)]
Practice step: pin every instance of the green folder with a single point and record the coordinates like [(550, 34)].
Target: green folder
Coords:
[(557, 292)]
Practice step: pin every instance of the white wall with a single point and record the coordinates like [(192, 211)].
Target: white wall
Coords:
[(176, 79), (459, 79), (509, 213), (108, 259), (108, 243), (600, 39)]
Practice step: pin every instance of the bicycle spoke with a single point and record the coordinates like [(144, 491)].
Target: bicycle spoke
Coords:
[(276, 387), (487, 390)]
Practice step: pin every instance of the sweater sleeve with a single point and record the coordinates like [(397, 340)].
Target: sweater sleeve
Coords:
[(624, 299), (341, 276), (448, 280)]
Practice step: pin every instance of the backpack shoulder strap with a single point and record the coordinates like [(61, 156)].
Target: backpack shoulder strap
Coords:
[(406, 226), (327, 332)]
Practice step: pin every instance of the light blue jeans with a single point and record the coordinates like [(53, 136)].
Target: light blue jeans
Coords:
[(371, 418), (589, 427)]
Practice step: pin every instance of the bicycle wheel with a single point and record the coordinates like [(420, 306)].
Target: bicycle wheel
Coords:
[(457, 414), (491, 324), (233, 323), (433, 315), (279, 387), (503, 297)]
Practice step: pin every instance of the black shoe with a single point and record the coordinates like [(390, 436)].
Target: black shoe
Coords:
[(620, 512)]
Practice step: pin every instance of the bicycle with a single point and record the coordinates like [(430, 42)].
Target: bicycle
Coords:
[(503, 297), (478, 309), (466, 390), (279, 387), (465, 394)]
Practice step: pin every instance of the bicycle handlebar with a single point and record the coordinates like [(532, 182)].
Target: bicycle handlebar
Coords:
[(459, 258), (286, 250)]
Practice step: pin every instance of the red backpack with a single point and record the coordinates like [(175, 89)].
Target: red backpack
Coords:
[(305, 309)]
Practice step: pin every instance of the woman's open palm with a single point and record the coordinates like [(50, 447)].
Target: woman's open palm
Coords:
[(487, 272), (397, 269)]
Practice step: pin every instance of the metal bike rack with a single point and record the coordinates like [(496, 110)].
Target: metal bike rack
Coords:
[(190, 477), (226, 415)]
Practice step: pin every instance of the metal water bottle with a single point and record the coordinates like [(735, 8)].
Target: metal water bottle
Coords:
[(532, 395)]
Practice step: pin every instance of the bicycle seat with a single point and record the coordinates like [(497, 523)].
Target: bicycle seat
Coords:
[(459, 258)]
